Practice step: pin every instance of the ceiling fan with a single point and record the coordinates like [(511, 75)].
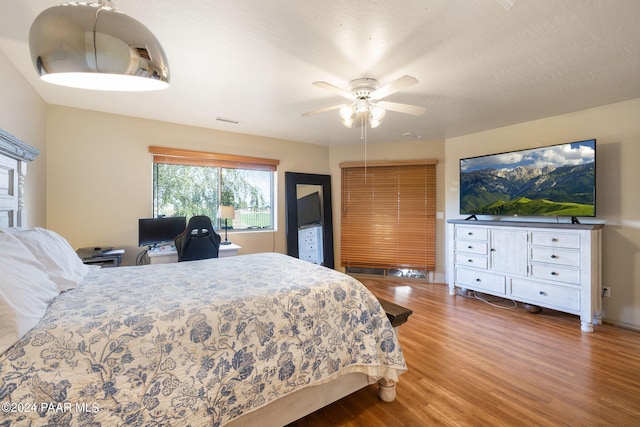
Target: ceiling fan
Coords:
[(364, 104)]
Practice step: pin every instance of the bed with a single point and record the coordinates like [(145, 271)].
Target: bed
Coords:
[(259, 339)]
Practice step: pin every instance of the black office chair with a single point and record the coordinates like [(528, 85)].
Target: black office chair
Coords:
[(198, 240)]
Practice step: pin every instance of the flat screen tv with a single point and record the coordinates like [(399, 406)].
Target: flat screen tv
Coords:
[(154, 231), (557, 180), (309, 209)]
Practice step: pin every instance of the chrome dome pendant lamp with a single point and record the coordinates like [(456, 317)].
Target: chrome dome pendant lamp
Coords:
[(95, 46)]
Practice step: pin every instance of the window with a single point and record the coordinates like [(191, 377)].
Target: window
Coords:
[(388, 215), (188, 183)]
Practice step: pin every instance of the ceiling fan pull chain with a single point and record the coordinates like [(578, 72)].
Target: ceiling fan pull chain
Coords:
[(364, 132)]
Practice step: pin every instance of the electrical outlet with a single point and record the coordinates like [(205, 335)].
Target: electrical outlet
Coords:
[(606, 291)]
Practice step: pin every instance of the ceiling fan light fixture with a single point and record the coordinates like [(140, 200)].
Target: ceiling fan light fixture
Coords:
[(376, 115), (347, 115), (348, 122), (363, 112), (346, 112), (362, 105), (95, 46), (361, 108), (377, 112)]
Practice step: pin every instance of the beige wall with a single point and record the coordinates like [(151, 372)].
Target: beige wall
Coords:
[(392, 151), (616, 128), (100, 181), (23, 115)]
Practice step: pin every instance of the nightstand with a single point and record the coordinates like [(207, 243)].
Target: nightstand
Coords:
[(103, 257)]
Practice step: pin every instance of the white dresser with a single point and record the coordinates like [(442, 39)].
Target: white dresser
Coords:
[(310, 244), (551, 265)]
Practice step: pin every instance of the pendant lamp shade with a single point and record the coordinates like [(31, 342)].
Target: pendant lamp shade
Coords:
[(95, 46)]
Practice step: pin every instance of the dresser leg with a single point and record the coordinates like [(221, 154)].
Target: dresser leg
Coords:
[(586, 327)]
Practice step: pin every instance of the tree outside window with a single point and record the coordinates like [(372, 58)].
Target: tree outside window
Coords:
[(186, 190)]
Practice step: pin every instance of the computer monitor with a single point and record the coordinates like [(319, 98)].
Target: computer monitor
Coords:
[(154, 231)]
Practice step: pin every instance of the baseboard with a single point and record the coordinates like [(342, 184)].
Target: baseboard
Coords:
[(621, 325)]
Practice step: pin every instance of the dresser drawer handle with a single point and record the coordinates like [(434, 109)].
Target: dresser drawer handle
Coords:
[(543, 293), (478, 280), (469, 247), (554, 256), (469, 260), (470, 233), (553, 273), (553, 239)]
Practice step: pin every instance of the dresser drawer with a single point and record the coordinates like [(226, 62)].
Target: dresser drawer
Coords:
[(555, 256), (471, 246), (308, 246), (306, 237), (556, 240), (471, 260), (559, 297), (309, 256), (557, 273), (480, 280), (309, 233), (471, 233)]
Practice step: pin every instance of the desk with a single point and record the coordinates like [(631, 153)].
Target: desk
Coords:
[(168, 254)]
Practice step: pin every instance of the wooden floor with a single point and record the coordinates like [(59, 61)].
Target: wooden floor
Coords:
[(472, 364)]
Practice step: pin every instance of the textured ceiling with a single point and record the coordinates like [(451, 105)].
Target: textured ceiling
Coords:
[(480, 64)]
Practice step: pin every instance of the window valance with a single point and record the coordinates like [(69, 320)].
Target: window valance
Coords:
[(177, 156)]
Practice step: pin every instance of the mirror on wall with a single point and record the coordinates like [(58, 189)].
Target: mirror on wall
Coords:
[(309, 217)]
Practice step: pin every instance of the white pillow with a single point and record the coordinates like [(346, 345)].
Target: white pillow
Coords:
[(25, 291), (62, 263)]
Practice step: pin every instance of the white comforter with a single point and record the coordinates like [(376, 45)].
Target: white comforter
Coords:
[(194, 343)]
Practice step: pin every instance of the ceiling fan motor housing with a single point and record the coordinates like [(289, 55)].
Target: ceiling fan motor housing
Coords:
[(363, 88)]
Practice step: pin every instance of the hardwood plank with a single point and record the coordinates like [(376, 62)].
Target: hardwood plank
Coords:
[(473, 364)]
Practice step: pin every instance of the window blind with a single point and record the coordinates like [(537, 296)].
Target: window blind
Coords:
[(388, 214)]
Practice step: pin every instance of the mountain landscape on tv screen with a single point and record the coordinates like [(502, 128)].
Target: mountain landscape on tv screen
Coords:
[(526, 190)]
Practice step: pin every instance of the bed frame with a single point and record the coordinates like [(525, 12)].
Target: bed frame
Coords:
[(301, 403), (14, 156)]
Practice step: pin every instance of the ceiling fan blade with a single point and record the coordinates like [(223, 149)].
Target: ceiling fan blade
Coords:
[(323, 109), (335, 89), (414, 110), (394, 86)]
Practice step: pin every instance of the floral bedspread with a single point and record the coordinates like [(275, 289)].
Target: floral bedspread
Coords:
[(194, 343)]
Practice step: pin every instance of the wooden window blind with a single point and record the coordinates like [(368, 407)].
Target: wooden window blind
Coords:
[(388, 214), (176, 156)]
